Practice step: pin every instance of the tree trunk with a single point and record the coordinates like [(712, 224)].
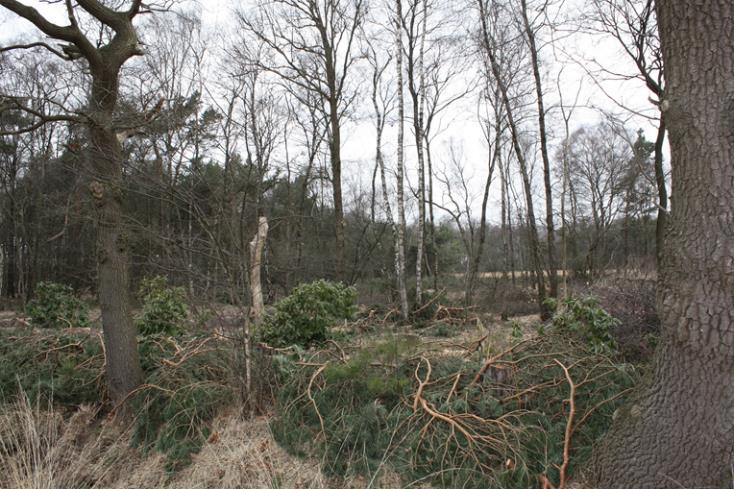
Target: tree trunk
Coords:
[(256, 252), (400, 170), (380, 166), (105, 162), (431, 220), (336, 174), (678, 431), (418, 96)]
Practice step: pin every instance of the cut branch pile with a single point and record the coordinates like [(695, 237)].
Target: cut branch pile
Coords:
[(526, 414)]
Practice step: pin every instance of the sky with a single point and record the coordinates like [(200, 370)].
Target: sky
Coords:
[(565, 61)]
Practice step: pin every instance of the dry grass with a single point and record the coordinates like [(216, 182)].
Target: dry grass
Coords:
[(41, 449)]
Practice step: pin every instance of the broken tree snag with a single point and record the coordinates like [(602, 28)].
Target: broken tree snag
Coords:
[(256, 251)]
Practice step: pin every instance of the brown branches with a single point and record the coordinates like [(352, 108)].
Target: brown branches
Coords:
[(491, 362), (421, 383), (32, 45)]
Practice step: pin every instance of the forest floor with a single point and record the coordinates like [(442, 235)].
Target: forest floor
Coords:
[(76, 444), (70, 448)]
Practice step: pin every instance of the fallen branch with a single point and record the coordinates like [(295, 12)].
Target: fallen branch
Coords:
[(313, 401), (569, 426), (421, 383), (428, 304)]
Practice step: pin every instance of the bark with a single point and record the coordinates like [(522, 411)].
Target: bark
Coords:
[(418, 97), (477, 259), (504, 211), (678, 431), (124, 373), (431, 219), (494, 154), (336, 175), (400, 170)]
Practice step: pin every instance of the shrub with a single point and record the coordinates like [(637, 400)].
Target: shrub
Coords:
[(164, 308), (304, 316), (584, 318), (56, 306), (60, 366), (187, 384)]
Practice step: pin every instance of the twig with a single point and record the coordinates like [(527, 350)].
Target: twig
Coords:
[(188, 355), (598, 405), (453, 387), (389, 313)]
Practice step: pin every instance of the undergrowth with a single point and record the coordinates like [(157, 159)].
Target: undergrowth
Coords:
[(454, 421), (303, 318), (188, 381), (56, 305)]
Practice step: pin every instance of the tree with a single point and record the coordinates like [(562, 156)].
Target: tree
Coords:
[(398, 48), (678, 429), (415, 32), (633, 24), (490, 45), (530, 36), (313, 44), (598, 160), (383, 99), (105, 57)]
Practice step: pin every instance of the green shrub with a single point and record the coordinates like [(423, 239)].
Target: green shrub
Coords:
[(60, 366), (189, 382), (584, 318), (303, 318), (56, 306), (164, 308)]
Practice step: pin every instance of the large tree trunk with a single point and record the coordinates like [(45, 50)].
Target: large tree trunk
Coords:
[(679, 429), (105, 162)]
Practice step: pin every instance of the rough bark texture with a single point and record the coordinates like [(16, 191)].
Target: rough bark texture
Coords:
[(105, 162), (678, 431)]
